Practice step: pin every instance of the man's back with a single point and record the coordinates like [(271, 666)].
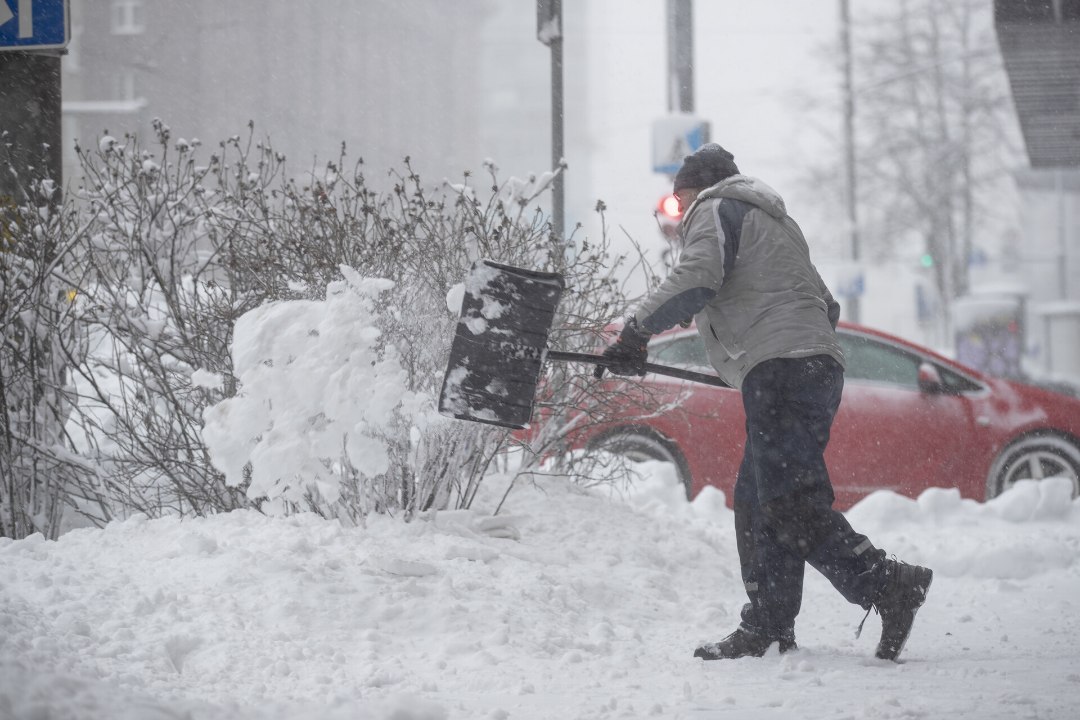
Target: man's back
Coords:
[(772, 302)]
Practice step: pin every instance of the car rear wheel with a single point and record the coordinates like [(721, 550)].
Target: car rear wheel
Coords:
[(640, 445), (1033, 458)]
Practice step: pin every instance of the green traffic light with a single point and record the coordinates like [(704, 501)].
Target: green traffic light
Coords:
[(927, 260)]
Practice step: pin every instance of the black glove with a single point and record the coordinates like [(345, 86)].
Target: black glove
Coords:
[(627, 355)]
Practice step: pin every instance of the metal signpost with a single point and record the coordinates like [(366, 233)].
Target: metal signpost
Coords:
[(549, 32), (33, 35)]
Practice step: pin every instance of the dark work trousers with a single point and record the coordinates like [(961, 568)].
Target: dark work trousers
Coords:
[(783, 497)]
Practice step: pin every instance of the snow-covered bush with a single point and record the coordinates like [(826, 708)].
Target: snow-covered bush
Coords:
[(160, 296), (167, 248), (425, 240)]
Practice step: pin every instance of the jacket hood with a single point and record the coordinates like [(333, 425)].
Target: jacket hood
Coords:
[(748, 189)]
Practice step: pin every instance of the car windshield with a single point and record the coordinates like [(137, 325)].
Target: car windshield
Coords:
[(685, 351)]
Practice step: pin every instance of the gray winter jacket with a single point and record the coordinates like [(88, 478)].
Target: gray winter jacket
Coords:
[(745, 276)]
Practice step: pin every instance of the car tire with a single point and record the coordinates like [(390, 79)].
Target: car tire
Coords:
[(1035, 456), (641, 444)]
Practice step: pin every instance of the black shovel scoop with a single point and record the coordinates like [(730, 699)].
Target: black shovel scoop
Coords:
[(501, 342)]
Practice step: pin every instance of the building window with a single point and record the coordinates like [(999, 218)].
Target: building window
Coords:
[(124, 85), (127, 17)]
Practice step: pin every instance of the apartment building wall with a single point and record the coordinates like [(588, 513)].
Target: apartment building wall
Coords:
[(388, 77)]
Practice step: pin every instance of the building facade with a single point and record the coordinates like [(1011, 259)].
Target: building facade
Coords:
[(1040, 44), (389, 78)]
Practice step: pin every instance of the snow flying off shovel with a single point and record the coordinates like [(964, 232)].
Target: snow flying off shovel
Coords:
[(501, 342)]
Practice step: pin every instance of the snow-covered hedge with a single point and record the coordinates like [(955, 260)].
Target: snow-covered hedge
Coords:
[(166, 247)]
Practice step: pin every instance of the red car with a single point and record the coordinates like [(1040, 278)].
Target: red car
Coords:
[(910, 419)]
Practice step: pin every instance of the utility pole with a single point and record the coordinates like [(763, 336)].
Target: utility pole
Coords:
[(33, 35), (29, 123), (549, 32), (849, 153), (680, 34), (1063, 234), (681, 132)]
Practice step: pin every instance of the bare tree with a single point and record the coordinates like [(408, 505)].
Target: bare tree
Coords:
[(934, 136), (933, 131)]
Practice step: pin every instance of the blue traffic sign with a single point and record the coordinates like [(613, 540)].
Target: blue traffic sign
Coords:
[(675, 137), (33, 24), (853, 286)]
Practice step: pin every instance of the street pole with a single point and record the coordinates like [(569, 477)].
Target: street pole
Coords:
[(557, 154), (680, 33), (849, 151), (30, 125), (549, 32), (1063, 234)]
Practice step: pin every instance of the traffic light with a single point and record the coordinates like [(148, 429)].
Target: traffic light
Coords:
[(669, 208), (926, 260), (668, 215)]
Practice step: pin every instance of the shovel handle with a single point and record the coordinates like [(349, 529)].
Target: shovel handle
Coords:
[(679, 373)]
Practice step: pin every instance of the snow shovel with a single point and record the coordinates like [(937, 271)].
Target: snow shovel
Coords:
[(500, 344)]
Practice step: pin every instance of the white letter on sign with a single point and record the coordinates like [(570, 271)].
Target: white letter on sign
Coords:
[(26, 18)]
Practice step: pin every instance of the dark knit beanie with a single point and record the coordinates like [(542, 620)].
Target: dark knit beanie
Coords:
[(709, 164)]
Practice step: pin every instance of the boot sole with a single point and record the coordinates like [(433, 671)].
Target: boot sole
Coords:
[(903, 643), (705, 654)]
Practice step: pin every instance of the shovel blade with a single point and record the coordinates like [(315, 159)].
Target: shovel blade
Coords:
[(499, 344)]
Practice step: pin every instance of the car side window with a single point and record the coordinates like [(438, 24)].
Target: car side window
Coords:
[(687, 351), (954, 383), (873, 361)]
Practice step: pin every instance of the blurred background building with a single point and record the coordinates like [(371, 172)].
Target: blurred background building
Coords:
[(448, 85), (1040, 44), (389, 77)]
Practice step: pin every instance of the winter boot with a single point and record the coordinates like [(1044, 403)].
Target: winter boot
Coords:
[(903, 594), (744, 643)]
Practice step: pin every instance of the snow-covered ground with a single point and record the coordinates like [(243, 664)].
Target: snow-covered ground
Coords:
[(576, 604)]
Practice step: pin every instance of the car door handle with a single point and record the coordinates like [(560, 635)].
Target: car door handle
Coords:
[(982, 421)]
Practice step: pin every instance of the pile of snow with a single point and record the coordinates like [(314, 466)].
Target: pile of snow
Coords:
[(320, 392), (572, 604)]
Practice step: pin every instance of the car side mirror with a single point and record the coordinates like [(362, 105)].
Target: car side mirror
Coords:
[(930, 381)]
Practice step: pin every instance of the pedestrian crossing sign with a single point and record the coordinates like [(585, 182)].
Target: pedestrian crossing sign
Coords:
[(674, 137)]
